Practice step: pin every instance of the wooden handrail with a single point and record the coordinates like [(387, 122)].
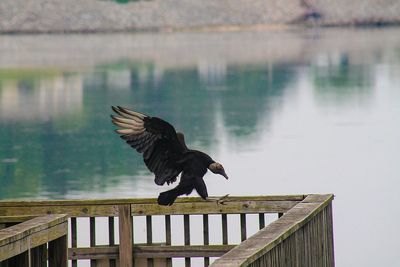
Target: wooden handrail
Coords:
[(116, 201), (33, 233), (267, 239), (190, 205)]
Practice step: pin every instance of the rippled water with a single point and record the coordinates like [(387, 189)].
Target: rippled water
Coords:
[(286, 112)]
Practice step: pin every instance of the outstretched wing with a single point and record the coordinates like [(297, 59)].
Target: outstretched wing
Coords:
[(155, 138)]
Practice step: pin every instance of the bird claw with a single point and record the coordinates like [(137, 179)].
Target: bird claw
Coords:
[(218, 200)]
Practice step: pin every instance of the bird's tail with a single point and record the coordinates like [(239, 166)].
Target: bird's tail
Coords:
[(167, 198)]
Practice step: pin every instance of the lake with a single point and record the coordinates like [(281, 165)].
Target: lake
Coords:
[(286, 111)]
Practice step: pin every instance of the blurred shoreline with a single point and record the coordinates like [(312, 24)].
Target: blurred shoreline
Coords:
[(175, 50), (77, 16)]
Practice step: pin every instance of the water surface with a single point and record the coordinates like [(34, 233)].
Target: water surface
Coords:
[(286, 112)]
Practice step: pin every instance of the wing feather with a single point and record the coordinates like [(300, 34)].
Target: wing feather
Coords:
[(127, 125), (129, 115), (129, 131), (156, 139)]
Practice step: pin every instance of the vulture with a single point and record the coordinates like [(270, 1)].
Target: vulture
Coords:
[(165, 154)]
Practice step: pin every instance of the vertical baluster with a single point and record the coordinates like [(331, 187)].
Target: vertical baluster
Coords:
[(92, 226), (243, 226), (125, 236), (57, 252), (224, 229), (186, 227), (74, 238), (206, 239), (38, 256), (149, 232), (168, 236), (111, 237), (261, 220)]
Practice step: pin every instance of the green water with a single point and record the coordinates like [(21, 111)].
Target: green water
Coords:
[(286, 112), (53, 149)]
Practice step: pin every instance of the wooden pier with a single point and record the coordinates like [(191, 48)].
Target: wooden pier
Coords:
[(301, 234)]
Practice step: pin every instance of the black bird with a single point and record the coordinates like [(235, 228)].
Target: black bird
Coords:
[(166, 154)]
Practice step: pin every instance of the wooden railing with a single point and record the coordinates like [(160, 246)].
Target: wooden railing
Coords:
[(34, 242), (122, 217), (301, 237)]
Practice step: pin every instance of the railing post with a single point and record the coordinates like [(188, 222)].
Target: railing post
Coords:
[(125, 236), (58, 252)]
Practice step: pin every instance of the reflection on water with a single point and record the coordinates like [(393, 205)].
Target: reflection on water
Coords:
[(58, 132), (40, 99), (286, 112), (338, 80)]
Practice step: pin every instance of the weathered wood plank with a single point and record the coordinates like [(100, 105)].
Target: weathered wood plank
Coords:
[(101, 202), (72, 211), (16, 219), (229, 207), (144, 251), (102, 263), (26, 228), (314, 198), (109, 207), (181, 251), (99, 252), (142, 262), (16, 239), (125, 236)]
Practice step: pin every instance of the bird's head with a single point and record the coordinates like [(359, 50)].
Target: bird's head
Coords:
[(218, 169)]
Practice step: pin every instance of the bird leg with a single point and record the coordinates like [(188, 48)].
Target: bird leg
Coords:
[(218, 200)]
